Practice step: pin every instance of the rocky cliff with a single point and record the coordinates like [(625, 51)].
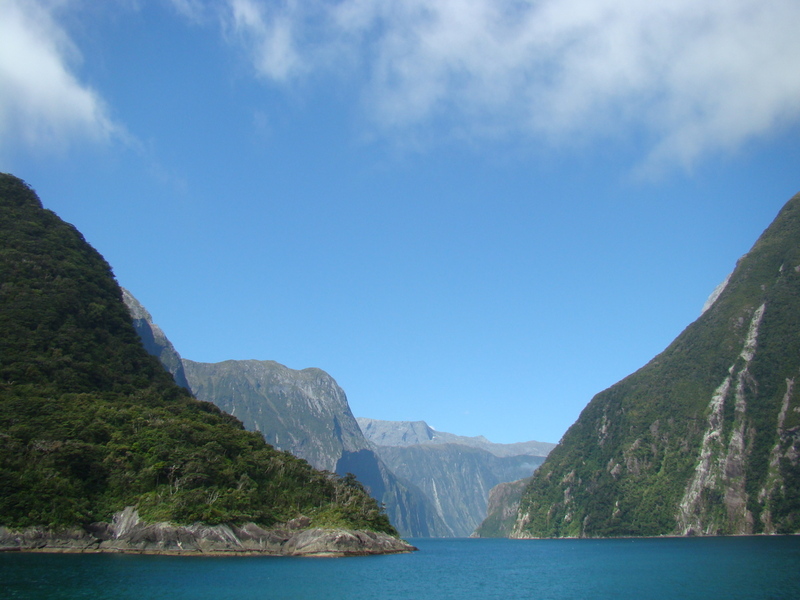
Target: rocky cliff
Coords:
[(501, 512), (154, 340), (704, 439), (303, 412), (457, 479), (455, 472), (129, 534), (306, 413), (409, 508)]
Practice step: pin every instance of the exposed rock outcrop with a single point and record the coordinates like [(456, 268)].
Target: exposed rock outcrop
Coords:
[(154, 340), (128, 534)]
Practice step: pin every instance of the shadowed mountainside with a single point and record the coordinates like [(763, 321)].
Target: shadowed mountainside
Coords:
[(455, 472)]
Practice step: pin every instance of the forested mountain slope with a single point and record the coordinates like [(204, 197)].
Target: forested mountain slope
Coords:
[(704, 439), (90, 423)]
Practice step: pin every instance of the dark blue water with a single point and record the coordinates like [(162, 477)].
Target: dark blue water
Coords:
[(707, 568)]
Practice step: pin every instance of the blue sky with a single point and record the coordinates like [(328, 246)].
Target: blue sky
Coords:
[(477, 213)]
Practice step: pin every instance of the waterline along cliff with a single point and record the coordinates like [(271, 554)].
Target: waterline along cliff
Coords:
[(704, 439), (92, 427)]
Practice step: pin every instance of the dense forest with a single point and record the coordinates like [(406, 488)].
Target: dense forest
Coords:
[(90, 423)]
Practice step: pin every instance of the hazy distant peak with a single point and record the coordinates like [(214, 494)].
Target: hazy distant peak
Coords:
[(410, 433)]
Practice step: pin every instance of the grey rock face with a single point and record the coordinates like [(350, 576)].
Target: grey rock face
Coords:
[(154, 340), (306, 413), (408, 507), (456, 478), (126, 533), (303, 412)]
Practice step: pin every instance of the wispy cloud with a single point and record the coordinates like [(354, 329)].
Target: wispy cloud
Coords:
[(42, 103), (696, 76), (269, 36)]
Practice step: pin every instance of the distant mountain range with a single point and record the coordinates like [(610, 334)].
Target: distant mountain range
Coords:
[(410, 433), (455, 472), (705, 438), (440, 490)]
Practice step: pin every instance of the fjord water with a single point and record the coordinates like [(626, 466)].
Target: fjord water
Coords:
[(464, 569)]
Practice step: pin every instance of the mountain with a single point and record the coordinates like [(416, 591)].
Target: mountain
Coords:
[(409, 433), (408, 507), (306, 413), (303, 412), (91, 425), (455, 472), (501, 513), (154, 340), (705, 438), (456, 478)]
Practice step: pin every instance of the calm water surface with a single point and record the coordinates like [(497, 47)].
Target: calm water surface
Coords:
[(464, 569)]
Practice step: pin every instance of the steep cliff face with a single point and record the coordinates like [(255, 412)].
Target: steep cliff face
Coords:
[(307, 413), (501, 513), (705, 439), (407, 506), (154, 340), (454, 472), (303, 412), (456, 478)]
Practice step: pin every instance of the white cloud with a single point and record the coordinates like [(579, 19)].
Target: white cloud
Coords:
[(700, 76), (194, 10), (269, 35), (42, 104)]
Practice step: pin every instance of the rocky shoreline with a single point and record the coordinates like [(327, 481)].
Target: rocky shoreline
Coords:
[(128, 534)]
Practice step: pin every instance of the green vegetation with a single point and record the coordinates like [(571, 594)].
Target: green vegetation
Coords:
[(90, 423), (502, 511), (625, 466)]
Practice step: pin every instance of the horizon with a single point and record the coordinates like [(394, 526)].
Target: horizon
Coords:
[(474, 214)]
